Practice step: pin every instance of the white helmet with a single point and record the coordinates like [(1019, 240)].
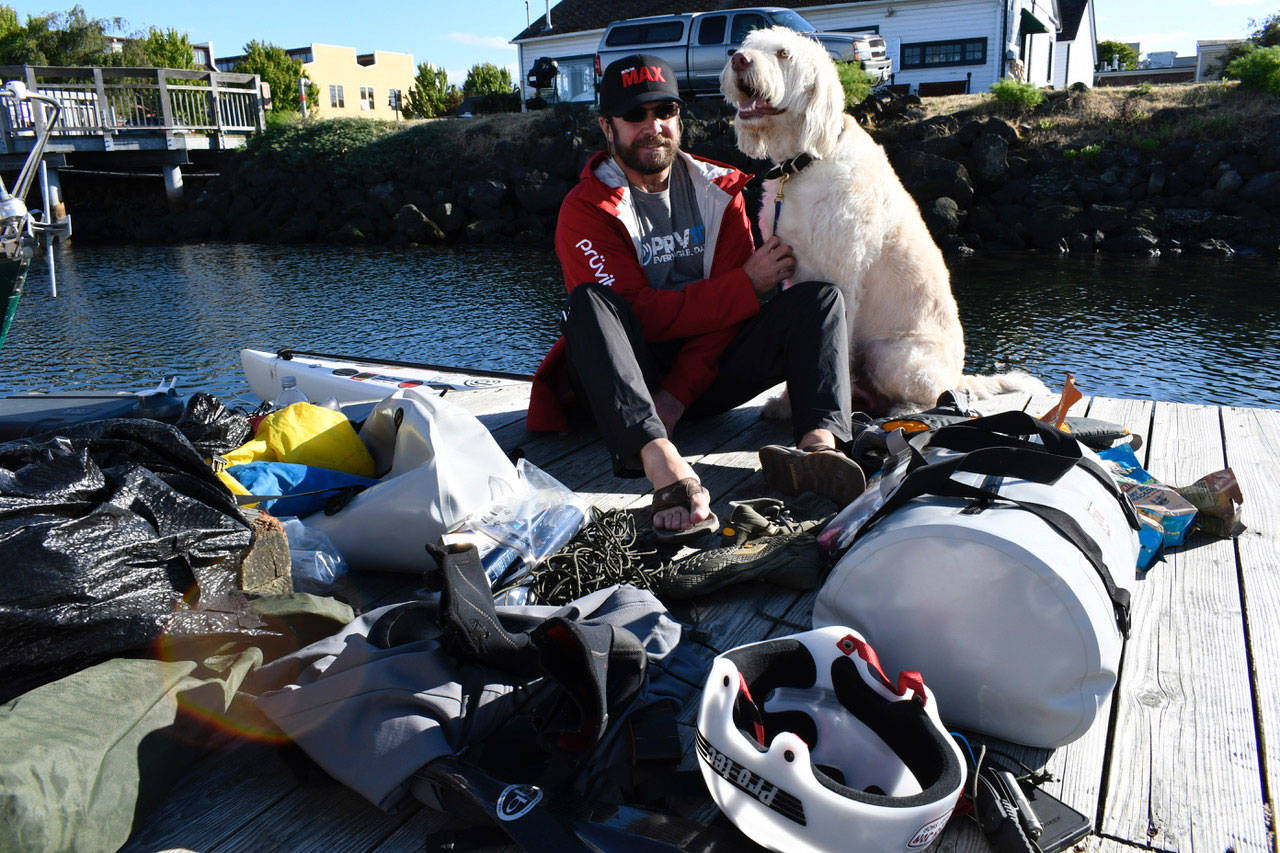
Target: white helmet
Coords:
[(805, 745)]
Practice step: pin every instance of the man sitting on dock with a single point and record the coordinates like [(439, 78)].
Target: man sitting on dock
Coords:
[(672, 310)]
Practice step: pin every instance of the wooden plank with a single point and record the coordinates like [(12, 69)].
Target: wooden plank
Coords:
[(1183, 766), (322, 816), (1253, 452), (1078, 767), (218, 796), (495, 407), (412, 834)]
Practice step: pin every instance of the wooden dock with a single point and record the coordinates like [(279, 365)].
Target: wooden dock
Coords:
[(1187, 759)]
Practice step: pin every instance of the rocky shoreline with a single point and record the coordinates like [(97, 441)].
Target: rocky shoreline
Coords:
[(983, 183)]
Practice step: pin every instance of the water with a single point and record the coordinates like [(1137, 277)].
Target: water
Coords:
[(1181, 329)]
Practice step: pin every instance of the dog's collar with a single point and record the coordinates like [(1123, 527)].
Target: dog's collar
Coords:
[(790, 167)]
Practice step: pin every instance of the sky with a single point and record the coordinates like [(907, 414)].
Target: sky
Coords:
[(456, 34)]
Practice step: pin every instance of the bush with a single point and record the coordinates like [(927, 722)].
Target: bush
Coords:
[(856, 82), (1016, 95), (1258, 70)]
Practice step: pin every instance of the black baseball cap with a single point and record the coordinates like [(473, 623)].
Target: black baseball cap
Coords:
[(641, 78)]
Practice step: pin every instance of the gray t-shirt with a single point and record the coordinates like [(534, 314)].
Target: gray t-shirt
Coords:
[(672, 235)]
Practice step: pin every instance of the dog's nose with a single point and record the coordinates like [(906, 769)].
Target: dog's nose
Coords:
[(739, 62)]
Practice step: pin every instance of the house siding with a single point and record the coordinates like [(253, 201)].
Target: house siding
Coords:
[(901, 22), (924, 21), (1077, 58), (337, 66)]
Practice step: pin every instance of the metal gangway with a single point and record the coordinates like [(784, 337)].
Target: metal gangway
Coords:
[(132, 109)]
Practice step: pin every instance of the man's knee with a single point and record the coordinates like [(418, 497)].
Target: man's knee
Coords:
[(589, 297), (822, 295), (810, 301)]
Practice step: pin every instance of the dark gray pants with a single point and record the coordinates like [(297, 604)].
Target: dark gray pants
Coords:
[(800, 337)]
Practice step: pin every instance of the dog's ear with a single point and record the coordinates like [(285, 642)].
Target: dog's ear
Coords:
[(824, 118)]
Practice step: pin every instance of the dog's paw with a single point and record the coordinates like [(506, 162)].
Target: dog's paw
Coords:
[(777, 408)]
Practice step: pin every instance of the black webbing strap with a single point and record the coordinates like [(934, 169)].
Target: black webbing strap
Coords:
[(1006, 427), (1006, 430), (1023, 463)]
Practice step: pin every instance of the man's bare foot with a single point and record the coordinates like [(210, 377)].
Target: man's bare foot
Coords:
[(669, 409), (664, 465), (817, 438)]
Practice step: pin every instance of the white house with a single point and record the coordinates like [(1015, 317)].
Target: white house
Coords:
[(1210, 55), (937, 46), (1076, 53)]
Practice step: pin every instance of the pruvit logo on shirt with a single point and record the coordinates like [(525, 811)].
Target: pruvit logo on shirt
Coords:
[(664, 249), (595, 260), (642, 74)]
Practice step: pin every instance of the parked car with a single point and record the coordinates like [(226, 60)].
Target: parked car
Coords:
[(698, 44)]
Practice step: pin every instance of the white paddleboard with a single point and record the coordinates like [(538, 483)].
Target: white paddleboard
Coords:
[(351, 381)]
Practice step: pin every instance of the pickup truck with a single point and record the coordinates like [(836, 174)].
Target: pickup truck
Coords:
[(698, 44)]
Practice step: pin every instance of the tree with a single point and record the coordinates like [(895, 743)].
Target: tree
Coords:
[(59, 38), (1267, 33), (432, 94), (8, 21), (1126, 56), (167, 49), (279, 71), (487, 79)]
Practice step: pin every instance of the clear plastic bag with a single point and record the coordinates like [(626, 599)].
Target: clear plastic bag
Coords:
[(314, 562), (525, 527)]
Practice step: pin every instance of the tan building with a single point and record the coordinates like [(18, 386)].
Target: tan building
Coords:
[(351, 84)]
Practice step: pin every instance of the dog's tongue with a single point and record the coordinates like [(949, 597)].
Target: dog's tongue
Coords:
[(755, 107)]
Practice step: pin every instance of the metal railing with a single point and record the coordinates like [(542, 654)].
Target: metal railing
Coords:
[(99, 101)]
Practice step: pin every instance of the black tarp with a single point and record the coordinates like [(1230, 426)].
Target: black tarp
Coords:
[(113, 535)]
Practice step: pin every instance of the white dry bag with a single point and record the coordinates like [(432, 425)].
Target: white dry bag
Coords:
[(438, 464), (999, 566)]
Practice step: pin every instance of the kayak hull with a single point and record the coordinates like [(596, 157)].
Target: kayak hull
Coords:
[(350, 380)]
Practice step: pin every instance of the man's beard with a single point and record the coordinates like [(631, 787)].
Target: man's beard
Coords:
[(650, 162)]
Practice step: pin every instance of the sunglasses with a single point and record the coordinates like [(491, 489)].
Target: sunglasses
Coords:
[(662, 112)]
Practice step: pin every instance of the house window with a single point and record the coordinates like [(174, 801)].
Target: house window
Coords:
[(935, 54), (335, 97), (366, 97)]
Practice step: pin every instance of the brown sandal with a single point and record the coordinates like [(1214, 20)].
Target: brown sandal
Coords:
[(681, 494)]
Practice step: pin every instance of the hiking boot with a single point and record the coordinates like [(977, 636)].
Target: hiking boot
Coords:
[(790, 560), (821, 470)]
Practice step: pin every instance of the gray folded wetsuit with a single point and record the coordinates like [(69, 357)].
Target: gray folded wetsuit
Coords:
[(373, 704)]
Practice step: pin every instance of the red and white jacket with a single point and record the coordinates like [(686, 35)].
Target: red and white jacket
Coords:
[(596, 240)]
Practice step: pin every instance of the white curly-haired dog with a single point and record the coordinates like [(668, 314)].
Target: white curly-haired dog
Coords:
[(850, 222)]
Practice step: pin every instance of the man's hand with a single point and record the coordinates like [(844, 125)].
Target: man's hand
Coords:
[(669, 409), (772, 263)]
